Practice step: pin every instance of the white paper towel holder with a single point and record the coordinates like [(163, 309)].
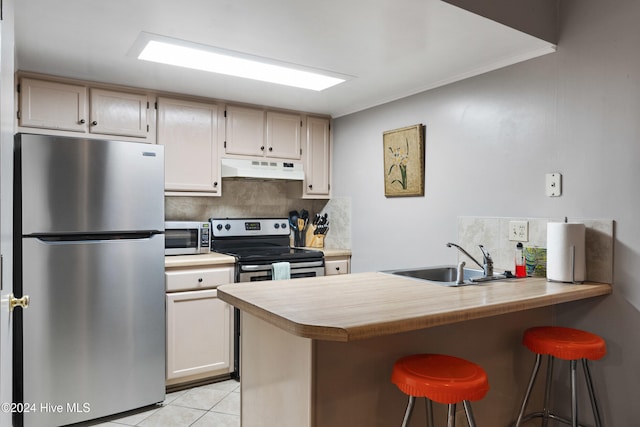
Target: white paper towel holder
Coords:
[(573, 269), (573, 280)]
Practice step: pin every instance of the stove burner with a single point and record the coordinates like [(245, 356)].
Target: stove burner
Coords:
[(274, 254)]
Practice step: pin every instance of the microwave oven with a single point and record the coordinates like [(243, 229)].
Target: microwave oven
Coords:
[(187, 237)]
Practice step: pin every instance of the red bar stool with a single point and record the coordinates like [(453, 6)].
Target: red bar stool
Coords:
[(567, 344), (440, 378)]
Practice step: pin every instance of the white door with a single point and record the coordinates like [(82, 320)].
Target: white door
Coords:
[(6, 207)]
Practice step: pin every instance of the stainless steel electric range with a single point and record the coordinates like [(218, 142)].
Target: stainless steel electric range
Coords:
[(256, 244)]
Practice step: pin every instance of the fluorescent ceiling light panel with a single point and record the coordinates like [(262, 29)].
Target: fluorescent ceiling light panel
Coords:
[(206, 58)]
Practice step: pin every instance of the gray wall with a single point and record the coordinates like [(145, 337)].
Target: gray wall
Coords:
[(489, 142)]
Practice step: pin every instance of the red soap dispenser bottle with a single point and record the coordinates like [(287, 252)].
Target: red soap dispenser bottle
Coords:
[(521, 269)]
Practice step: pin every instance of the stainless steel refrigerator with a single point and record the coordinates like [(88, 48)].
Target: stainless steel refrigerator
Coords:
[(89, 253)]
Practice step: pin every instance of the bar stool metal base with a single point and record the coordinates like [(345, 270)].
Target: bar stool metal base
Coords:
[(451, 413), (546, 414)]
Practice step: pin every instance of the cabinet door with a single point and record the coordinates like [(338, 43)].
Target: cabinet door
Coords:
[(244, 131), (118, 113), (198, 334), (52, 105), (283, 135), (317, 158), (189, 133)]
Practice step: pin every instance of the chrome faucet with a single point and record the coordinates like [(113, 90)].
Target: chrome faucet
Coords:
[(487, 265)]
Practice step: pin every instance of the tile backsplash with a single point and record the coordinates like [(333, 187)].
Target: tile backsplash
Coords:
[(262, 198), (493, 233)]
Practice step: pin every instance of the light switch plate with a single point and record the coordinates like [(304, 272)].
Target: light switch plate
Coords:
[(519, 231), (553, 184)]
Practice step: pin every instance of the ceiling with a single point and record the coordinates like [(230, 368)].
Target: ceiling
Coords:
[(392, 48)]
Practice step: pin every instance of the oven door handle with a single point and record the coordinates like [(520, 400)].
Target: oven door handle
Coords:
[(267, 267), (255, 267)]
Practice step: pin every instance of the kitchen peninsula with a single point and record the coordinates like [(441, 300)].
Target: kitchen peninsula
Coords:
[(319, 351)]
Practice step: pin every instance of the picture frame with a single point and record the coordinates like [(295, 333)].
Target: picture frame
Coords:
[(404, 161)]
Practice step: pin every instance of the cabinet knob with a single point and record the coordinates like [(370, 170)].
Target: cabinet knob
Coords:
[(215, 184), (199, 279), (82, 121), (270, 148), (262, 148), (94, 123), (337, 268), (310, 186)]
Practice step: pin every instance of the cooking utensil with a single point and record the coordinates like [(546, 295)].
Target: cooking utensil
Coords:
[(304, 214), (293, 219)]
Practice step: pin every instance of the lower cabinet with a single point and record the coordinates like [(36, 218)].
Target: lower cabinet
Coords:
[(337, 265), (199, 326)]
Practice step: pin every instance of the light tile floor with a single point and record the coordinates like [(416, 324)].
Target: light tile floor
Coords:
[(212, 405)]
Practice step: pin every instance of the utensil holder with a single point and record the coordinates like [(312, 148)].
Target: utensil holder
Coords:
[(299, 238)]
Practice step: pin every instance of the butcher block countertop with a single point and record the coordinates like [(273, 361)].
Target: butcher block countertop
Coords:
[(366, 305)]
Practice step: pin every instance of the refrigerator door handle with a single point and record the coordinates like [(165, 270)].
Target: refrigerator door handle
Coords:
[(87, 237)]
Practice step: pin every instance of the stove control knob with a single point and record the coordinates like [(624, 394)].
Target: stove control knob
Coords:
[(276, 225), (227, 226), (284, 225), (219, 226)]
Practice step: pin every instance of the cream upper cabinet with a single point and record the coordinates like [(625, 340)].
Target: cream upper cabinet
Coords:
[(244, 131), (283, 135), (118, 113), (256, 133), (52, 105), (59, 107), (189, 132), (317, 158)]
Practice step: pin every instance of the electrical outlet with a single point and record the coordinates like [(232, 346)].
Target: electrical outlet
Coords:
[(519, 231)]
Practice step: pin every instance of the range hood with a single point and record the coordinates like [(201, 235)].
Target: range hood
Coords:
[(262, 169)]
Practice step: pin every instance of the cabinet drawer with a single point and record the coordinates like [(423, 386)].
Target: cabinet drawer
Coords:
[(205, 278), (336, 267)]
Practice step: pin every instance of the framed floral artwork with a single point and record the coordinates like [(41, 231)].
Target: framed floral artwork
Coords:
[(404, 161)]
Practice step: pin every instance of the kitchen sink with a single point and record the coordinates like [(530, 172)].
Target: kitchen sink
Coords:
[(445, 275)]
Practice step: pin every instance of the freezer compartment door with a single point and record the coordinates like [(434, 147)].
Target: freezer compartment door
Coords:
[(71, 185), (94, 332)]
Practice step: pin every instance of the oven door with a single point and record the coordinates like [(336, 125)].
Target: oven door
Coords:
[(261, 272)]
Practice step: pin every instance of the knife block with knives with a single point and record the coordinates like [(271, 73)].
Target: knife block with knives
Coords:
[(317, 231), (314, 240)]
